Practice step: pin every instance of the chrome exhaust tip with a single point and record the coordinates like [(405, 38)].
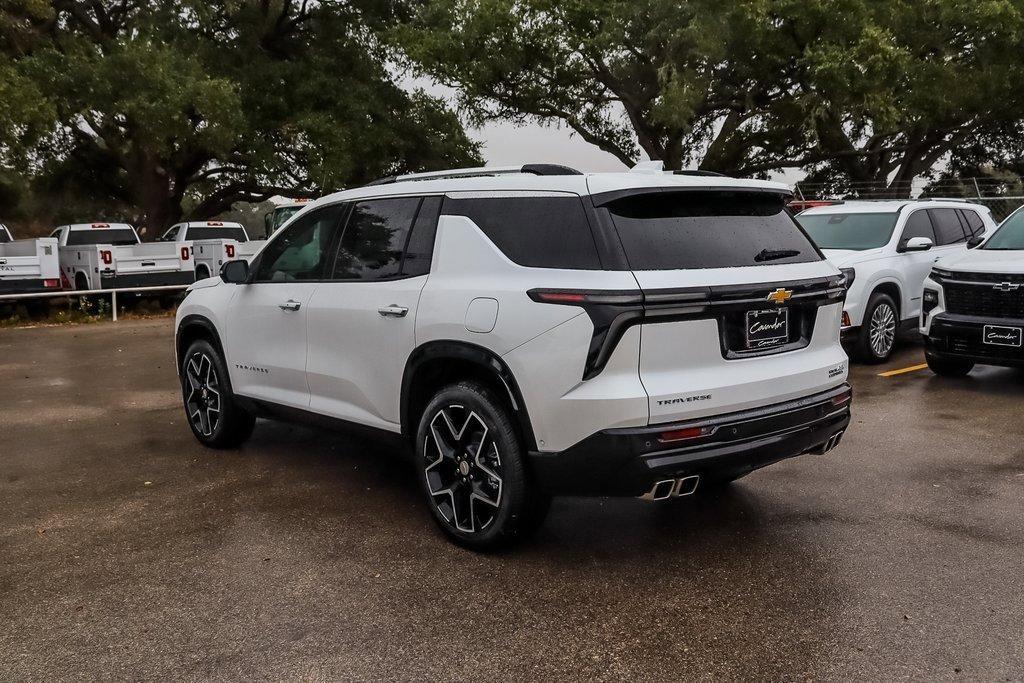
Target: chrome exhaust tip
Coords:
[(672, 488), (687, 486), (832, 441)]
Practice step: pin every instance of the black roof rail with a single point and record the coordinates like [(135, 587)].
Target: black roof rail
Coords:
[(531, 169), (549, 169)]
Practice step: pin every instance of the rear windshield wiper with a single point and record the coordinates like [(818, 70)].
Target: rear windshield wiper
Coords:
[(772, 255)]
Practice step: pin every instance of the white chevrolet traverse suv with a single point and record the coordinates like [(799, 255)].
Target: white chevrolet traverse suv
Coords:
[(530, 332), (886, 249)]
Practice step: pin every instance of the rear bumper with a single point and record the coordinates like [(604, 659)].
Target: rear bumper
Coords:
[(629, 461), (26, 286), (177, 277), (960, 337)]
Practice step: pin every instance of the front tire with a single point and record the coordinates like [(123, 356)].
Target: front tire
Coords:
[(878, 333), (213, 414), (945, 367), (471, 466)]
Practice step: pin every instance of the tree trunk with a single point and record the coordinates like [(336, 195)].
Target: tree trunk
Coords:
[(159, 202)]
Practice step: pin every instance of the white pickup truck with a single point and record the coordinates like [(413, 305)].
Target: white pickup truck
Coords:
[(214, 243), (29, 265), (110, 256)]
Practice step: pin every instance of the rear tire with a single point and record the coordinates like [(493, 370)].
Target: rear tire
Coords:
[(948, 368), (202, 272), (877, 337), (472, 467), (213, 414)]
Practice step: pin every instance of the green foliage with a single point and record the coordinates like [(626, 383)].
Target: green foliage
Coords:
[(858, 91), (157, 109)]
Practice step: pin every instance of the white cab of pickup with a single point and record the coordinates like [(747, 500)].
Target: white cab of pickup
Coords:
[(111, 256), (214, 243), (27, 266)]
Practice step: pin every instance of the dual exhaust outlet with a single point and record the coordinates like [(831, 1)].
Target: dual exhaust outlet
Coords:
[(673, 488)]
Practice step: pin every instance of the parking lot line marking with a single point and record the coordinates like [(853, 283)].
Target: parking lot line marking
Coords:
[(903, 371)]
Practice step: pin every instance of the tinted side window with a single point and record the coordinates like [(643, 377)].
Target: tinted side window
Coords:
[(537, 231), (374, 239), (947, 226), (421, 243), (300, 251), (975, 225), (918, 225), (676, 230)]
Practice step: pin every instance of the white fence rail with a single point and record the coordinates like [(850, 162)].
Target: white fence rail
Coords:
[(112, 293)]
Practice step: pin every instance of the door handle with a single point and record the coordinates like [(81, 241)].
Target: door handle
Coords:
[(290, 305), (393, 311)]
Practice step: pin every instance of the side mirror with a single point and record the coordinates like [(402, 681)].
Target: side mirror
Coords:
[(235, 272), (918, 244), (975, 242)]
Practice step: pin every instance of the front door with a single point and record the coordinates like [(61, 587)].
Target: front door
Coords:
[(267, 319), (362, 319)]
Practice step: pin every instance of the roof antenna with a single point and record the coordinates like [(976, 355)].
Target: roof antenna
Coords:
[(649, 167)]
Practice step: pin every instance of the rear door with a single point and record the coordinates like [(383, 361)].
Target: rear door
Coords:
[(741, 310), (266, 322), (362, 319)]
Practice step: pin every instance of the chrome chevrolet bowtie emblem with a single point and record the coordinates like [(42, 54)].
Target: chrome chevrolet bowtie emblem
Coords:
[(1007, 287), (780, 296)]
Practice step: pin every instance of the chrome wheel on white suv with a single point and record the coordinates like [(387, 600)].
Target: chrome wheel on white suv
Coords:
[(878, 335)]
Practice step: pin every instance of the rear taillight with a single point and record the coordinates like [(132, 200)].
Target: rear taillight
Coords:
[(107, 257), (580, 297), (846, 319), (184, 253), (51, 284), (229, 249), (65, 283), (686, 434)]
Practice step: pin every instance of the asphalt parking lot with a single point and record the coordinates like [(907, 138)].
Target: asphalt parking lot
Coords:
[(128, 551)]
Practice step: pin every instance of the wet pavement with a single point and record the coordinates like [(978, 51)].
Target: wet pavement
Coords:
[(128, 551)]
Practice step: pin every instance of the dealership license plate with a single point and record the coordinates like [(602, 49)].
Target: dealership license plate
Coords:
[(1003, 336), (766, 329)]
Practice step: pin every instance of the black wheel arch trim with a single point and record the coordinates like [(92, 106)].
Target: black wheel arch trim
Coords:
[(473, 353), (194, 320)]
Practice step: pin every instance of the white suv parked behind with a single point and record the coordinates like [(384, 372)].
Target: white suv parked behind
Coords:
[(533, 331), (886, 250)]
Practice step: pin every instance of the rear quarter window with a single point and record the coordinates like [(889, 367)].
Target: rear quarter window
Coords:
[(690, 230), (534, 231)]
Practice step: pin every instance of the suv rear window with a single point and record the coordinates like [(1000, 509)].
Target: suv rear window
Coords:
[(113, 236), (534, 231), (688, 230)]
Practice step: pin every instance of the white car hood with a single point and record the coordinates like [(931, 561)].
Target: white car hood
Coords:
[(844, 258), (985, 261)]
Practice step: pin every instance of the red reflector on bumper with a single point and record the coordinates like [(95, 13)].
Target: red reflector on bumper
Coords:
[(51, 284), (685, 434), (842, 399)]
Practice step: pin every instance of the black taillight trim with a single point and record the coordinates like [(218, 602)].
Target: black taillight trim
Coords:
[(612, 312)]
